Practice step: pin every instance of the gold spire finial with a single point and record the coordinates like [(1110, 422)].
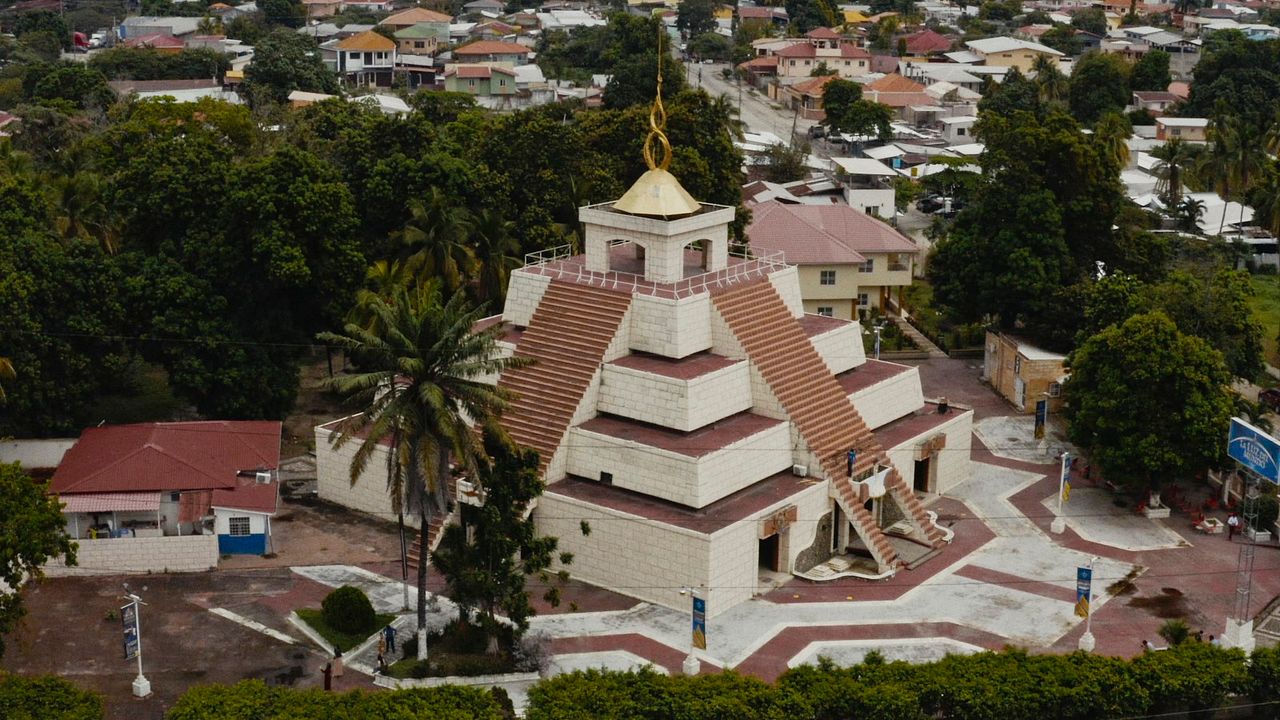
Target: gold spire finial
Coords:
[(658, 123)]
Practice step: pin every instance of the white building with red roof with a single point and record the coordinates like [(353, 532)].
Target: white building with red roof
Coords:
[(707, 430), (172, 480)]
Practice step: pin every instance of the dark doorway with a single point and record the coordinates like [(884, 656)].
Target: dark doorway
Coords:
[(769, 553), (921, 483)]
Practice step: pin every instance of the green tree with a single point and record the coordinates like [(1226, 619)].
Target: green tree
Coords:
[(634, 81), (1215, 308), (1151, 72), (494, 249), (1176, 157), (1053, 85), (1147, 403), (784, 164), (1063, 39), (285, 61), (1112, 133), (35, 698), (1091, 20), (696, 17), (1099, 85), (43, 21), (1016, 93), (32, 532), (82, 86), (486, 559), (711, 46), (421, 389), (435, 237), (848, 112), (255, 700), (806, 15)]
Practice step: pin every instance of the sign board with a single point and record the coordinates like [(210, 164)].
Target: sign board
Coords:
[(129, 622), (1254, 449), (1066, 478), (700, 623), (1042, 414), (1084, 584)]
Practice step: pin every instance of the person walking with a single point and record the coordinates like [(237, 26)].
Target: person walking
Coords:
[(382, 644), (328, 676), (337, 662), (382, 665), (389, 633), (1233, 524)]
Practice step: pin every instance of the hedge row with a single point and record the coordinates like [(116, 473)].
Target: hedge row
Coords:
[(1009, 685)]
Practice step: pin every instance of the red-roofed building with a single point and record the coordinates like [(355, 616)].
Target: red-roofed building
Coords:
[(849, 261), (174, 479), (806, 97), (492, 51), (160, 42), (927, 42), (843, 57)]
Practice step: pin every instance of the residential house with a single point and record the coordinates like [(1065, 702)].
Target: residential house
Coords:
[(759, 71), (481, 9), (844, 58), (1192, 129), (320, 9), (849, 261), (927, 42), (162, 43), (494, 30), (174, 496), (1153, 101), (492, 51), (1023, 373), (302, 98), (377, 6), (140, 25), (417, 16), (806, 97), (179, 90), (866, 185), (366, 59), (761, 16), (421, 39), (898, 92), (8, 122), (1010, 52), (958, 130), (482, 81)]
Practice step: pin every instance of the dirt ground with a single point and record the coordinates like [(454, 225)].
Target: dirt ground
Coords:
[(313, 406), (317, 533)]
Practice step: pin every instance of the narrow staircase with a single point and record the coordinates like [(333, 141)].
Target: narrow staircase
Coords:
[(825, 418), (566, 338)]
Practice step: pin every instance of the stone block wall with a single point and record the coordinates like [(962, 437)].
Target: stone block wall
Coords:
[(952, 463), (689, 481), (644, 559), (110, 556), (333, 478), (841, 348), (787, 282), (673, 328), (673, 402), (524, 292), (35, 453), (889, 399)]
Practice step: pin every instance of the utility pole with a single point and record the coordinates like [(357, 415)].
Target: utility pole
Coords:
[(1239, 632)]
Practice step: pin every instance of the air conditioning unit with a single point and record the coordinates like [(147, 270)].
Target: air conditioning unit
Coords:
[(263, 478), (800, 470)]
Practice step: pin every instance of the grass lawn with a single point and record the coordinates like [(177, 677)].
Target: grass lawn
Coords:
[(458, 650), (344, 641), (1266, 310)]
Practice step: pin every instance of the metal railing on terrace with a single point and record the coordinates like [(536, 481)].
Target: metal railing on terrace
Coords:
[(554, 262)]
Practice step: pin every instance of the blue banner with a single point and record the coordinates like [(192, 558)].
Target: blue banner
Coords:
[(129, 622), (700, 623), (1254, 449), (1084, 584), (1042, 414)]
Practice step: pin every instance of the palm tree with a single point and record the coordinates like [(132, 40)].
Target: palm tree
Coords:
[(1053, 85), (1272, 137), (1190, 211), (422, 388), (1254, 412), (1216, 167), (80, 211), (1245, 156), (382, 280), (495, 248), (1112, 133), (435, 236), (1175, 157), (726, 112), (6, 373)]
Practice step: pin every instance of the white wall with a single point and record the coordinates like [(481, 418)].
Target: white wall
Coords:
[(889, 399), (644, 559), (524, 292), (222, 517), (189, 553), (333, 478), (872, 201), (35, 453), (673, 402), (673, 328), (690, 481), (787, 282), (952, 463), (841, 349)]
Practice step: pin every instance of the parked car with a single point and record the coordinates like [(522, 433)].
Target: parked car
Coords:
[(1270, 398)]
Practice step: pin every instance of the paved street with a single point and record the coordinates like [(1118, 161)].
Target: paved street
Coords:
[(758, 112)]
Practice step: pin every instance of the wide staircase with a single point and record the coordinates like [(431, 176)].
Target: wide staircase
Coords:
[(566, 339), (815, 402), (435, 526)]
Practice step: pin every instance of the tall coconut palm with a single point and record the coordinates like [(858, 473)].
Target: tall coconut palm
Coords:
[(1190, 210), (1245, 156), (422, 389), (435, 238), (495, 248), (1215, 167), (1176, 156), (80, 210), (382, 280)]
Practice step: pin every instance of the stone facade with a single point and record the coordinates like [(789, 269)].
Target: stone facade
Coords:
[(841, 349), (950, 465), (115, 556), (890, 398), (333, 478), (675, 402), (673, 328)]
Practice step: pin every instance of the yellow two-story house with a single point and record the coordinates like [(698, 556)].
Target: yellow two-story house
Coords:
[(849, 262), (1010, 52)]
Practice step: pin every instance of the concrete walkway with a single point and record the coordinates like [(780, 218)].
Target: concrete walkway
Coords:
[(918, 337)]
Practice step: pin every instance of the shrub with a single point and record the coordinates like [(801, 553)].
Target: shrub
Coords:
[(46, 698), (1175, 632), (348, 609), (1268, 510)]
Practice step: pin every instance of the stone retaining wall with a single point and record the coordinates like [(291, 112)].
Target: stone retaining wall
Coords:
[(112, 556)]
